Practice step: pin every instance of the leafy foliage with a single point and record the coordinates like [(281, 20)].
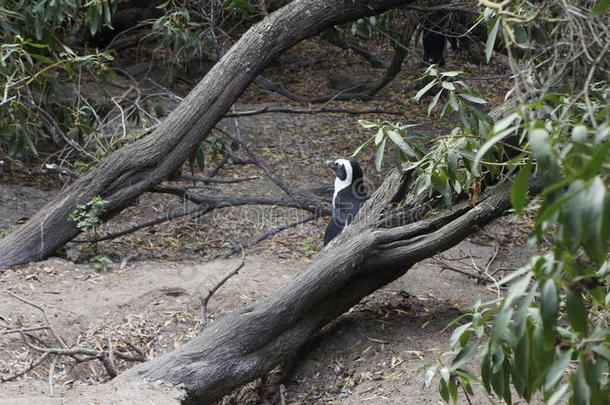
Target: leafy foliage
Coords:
[(449, 168), (548, 336), (188, 29), (87, 216), (35, 57), (50, 81)]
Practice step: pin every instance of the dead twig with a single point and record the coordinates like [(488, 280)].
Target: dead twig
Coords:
[(54, 169), (23, 330), (44, 314), (448, 266), (289, 110), (48, 118), (102, 355), (211, 291), (260, 163), (106, 357), (267, 234), (52, 376), (170, 216), (188, 177), (214, 171), (268, 85), (32, 366)]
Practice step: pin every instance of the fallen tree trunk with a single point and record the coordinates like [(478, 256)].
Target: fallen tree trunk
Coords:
[(253, 340), (138, 167)]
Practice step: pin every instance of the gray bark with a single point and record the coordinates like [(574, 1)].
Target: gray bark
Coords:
[(251, 341), (138, 167)]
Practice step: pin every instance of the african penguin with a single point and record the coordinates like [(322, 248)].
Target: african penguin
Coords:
[(350, 193)]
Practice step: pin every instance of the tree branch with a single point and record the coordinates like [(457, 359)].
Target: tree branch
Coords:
[(290, 110), (360, 260), (267, 234), (205, 298)]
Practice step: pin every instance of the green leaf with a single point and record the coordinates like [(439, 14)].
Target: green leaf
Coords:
[(440, 182), (505, 122), (42, 58), (464, 356), (452, 162), (582, 391), (540, 145), (500, 329), (424, 90), (557, 395), (593, 214), (453, 391), (486, 147), (399, 157), (520, 366), (400, 142), (572, 211), (603, 351), (379, 136), (434, 101), (557, 369), (507, 395), (367, 124), (519, 193), (516, 290), (549, 303), (472, 99), (600, 8), (547, 211), (521, 314), (577, 314), (448, 85), (430, 373), (453, 102), (444, 390), (595, 163), (491, 39), (379, 156), (484, 118), (486, 372), (497, 382)]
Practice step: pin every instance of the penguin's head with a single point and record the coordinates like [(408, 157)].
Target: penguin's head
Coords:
[(347, 170)]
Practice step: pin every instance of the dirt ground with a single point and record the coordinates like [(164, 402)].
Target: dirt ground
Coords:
[(149, 297), (375, 354)]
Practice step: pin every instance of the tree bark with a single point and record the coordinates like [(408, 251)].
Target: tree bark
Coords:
[(251, 341), (138, 167)]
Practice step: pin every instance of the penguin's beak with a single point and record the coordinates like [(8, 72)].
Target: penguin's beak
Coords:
[(331, 164)]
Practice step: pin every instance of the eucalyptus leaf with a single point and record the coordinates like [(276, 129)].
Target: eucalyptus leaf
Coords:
[(400, 142), (549, 303), (519, 189), (491, 38), (557, 369), (471, 98), (379, 156), (424, 90), (577, 313), (464, 356)]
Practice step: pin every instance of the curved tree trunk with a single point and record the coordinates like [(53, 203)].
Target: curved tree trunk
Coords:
[(132, 170), (382, 243)]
